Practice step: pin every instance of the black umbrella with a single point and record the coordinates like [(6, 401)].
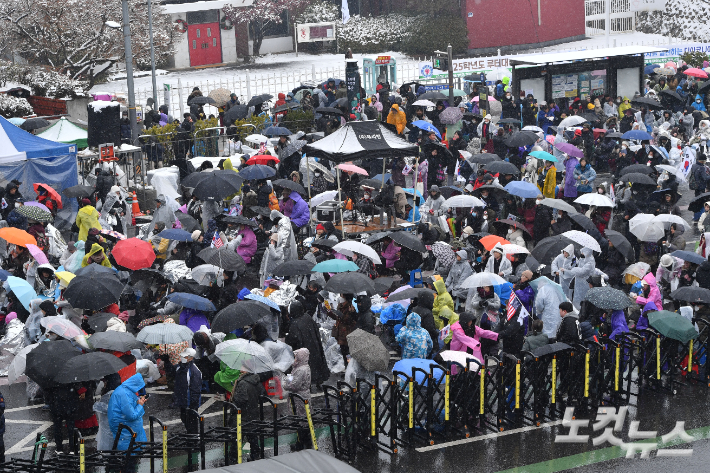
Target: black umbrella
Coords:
[(449, 191), (641, 168), (34, 124), (324, 243), (590, 117), (501, 167), (374, 183), (329, 111), (408, 240), (534, 265), (660, 195), (239, 315), (550, 349), (188, 222), (521, 138), (608, 298), (515, 223), (289, 184), (703, 87), (47, 359), (78, 191), (690, 256), (376, 237), (692, 294), (293, 268), (621, 244), (672, 94), (149, 275), (99, 321), (548, 248), (350, 283), (652, 104), (259, 99), (638, 178), (614, 134), (236, 112), (89, 367), (509, 121), (697, 204), (410, 293), (286, 106), (383, 284), (257, 172), (583, 221), (263, 211), (218, 184), (239, 220), (115, 341), (201, 100), (96, 270), (433, 96), (484, 158), (225, 258), (292, 147), (94, 293)]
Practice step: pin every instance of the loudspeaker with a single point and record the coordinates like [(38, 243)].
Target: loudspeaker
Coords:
[(104, 123)]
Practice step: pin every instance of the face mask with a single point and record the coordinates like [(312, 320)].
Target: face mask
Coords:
[(341, 300), (366, 196), (538, 202), (510, 230), (183, 359), (317, 174)]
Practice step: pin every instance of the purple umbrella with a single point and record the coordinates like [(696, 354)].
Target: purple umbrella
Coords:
[(34, 203), (570, 149)]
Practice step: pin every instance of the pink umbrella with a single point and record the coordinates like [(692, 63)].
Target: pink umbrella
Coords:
[(34, 203), (490, 99), (695, 72), (37, 254), (352, 168), (671, 64)]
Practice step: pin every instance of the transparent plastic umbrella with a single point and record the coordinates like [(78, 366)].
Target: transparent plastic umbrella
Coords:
[(482, 280), (17, 367), (245, 355), (351, 246), (62, 327)]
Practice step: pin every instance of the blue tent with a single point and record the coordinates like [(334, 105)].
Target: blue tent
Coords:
[(30, 159)]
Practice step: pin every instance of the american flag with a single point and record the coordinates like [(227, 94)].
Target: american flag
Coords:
[(217, 241), (513, 305)]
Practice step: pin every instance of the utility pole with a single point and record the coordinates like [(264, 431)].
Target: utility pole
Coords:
[(152, 52), (450, 55), (129, 72)]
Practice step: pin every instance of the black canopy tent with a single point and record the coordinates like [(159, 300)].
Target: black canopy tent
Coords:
[(356, 140)]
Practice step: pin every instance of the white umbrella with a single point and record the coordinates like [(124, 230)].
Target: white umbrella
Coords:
[(257, 139), (351, 246), (671, 170), (513, 249), (164, 334), (62, 327), (204, 274), (424, 103), (559, 204), (245, 355), (646, 230), (583, 239), (463, 201), (595, 199), (482, 280), (460, 357), (322, 197), (668, 219), (19, 363), (533, 128), (571, 121), (639, 269)]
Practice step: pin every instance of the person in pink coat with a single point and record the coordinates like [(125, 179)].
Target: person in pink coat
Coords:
[(651, 293), (391, 254), (466, 336), (246, 248)]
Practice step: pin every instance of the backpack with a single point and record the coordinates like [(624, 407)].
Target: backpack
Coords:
[(692, 184)]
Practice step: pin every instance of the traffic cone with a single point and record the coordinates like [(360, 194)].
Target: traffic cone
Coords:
[(135, 208)]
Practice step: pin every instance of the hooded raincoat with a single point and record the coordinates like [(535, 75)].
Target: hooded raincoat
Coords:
[(87, 218), (300, 215), (585, 268), (458, 273), (95, 248), (415, 341), (462, 342), (123, 408), (299, 381), (560, 262), (618, 324), (547, 306), (643, 319), (247, 246), (505, 267), (443, 299), (654, 294)]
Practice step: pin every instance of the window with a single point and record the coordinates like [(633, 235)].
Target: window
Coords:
[(209, 32), (194, 44), (280, 29), (198, 32), (201, 17), (214, 42)]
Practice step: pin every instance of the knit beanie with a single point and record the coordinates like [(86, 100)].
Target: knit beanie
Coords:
[(196, 235)]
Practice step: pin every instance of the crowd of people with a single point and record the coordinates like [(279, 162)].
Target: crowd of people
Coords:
[(498, 217)]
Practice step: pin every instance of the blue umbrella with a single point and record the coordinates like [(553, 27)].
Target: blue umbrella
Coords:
[(191, 301), (277, 131), (636, 135), (4, 274), (691, 256), (405, 366), (379, 177), (17, 121), (410, 191), (525, 190), (335, 266), (263, 300), (544, 155), (256, 172), (176, 234), (426, 126), (651, 68), (22, 289)]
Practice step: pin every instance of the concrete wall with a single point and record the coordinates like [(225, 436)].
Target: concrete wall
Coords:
[(505, 24), (279, 44), (182, 46), (76, 108)]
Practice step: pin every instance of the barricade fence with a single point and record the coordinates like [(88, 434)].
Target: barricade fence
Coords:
[(422, 407)]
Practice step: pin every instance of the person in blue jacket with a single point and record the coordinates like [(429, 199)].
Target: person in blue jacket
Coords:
[(699, 104), (126, 407), (188, 389)]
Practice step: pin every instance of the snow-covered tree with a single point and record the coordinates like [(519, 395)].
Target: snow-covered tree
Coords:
[(261, 15), (72, 36), (13, 107)]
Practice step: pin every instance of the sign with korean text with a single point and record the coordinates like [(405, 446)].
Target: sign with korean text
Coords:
[(383, 60), (314, 32)]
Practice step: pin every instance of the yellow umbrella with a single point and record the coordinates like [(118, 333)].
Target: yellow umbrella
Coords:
[(65, 277)]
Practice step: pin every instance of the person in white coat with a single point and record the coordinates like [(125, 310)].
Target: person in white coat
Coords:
[(585, 268), (273, 256), (515, 236), (282, 225), (547, 307), (458, 273), (433, 207), (498, 263), (565, 260)]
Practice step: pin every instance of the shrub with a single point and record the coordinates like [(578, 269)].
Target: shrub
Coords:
[(436, 33), (694, 58), (243, 128), (319, 12), (297, 120), (13, 107), (369, 35)]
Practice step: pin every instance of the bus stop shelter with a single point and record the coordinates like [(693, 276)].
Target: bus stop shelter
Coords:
[(593, 72)]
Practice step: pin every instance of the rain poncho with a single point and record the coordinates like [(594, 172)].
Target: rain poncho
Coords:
[(618, 324), (247, 246), (458, 274), (95, 248), (104, 437), (443, 299), (505, 266), (643, 319), (474, 297), (73, 263), (300, 213), (33, 330), (299, 381), (123, 408), (547, 307), (415, 341), (285, 231), (273, 256), (560, 262), (390, 254), (654, 294), (585, 268), (87, 218)]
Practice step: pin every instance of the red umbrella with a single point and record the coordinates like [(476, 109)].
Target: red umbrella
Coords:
[(134, 253), (54, 194), (695, 72), (262, 159), (597, 132)]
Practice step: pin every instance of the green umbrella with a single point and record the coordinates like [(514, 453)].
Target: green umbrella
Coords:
[(672, 325), (459, 93), (35, 213)]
